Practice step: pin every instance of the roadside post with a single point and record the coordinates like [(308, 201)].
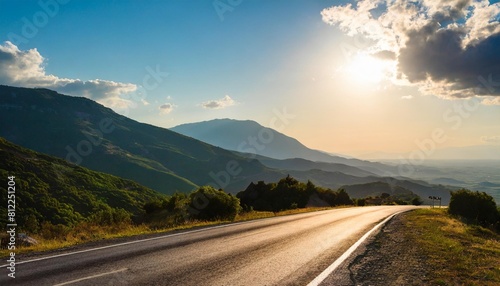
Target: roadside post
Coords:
[(435, 198)]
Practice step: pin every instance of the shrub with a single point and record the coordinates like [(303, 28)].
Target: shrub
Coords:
[(110, 216), (478, 207), (210, 204), (343, 198), (51, 231), (152, 206), (416, 201), (360, 202)]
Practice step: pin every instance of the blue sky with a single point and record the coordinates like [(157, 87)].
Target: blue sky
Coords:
[(253, 59)]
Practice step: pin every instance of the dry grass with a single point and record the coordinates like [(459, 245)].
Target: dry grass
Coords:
[(458, 254), (260, 214)]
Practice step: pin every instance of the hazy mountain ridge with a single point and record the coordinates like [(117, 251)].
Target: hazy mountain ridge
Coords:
[(375, 189), (335, 180), (248, 136), (299, 164)]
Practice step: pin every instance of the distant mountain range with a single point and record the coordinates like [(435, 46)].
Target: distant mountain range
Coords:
[(88, 134), (250, 137), (289, 155), (299, 164)]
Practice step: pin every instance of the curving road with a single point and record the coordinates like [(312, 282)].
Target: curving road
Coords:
[(289, 250)]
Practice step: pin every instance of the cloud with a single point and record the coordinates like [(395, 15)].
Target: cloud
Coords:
[(27, 69), (224, 102), (385, 55), (491, 139), (166, 108), (407, 97), (491, 101), (446, 48)]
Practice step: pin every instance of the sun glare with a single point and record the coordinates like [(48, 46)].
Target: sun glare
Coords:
[(367, 69)]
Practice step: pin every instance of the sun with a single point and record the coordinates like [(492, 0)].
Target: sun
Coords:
[(364, 68)]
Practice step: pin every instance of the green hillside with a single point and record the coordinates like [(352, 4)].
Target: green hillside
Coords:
[(52, 190), (91, 135)]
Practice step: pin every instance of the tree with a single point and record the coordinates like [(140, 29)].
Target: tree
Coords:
[(476, 206), (210, 204), (343, 198), (416, 201)]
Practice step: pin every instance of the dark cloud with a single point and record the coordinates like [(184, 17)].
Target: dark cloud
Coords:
[(438, 55)]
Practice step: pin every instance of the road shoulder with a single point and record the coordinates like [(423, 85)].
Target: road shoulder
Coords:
[(387, 258)]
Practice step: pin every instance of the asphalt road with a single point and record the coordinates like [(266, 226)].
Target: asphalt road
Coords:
[(289, 250)]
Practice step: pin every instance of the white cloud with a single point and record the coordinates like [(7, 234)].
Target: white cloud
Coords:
[(166, 108), (491, 100), (445, 48), (224, 102), (26, 69), (407, 97)]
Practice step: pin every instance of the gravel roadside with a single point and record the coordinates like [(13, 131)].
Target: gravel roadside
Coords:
[(391, 258)]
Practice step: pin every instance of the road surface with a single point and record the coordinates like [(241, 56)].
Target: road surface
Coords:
[(289, 250)]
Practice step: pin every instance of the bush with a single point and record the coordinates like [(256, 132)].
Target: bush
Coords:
[(478, 207), (51, 231), (360, 202), (110, 216), (416, 201), (210, 204), (343, 198)]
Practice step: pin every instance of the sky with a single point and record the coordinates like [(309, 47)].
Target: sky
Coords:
[(349, 77)]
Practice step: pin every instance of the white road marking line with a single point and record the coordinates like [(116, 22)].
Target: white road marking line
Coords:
[(91, 277), (321, 277)]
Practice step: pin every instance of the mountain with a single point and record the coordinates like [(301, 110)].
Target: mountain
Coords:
[(447, 181), (88, 134), (489, 185), (251, 137), (375, 189), (299, 164), (335, 180), (53, 190)]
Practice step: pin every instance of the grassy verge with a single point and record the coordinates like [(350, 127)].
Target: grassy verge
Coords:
[(258, 214), (87, 232), (457, 253)]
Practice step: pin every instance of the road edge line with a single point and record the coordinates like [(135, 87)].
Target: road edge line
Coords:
[(91, 277), (329, 270)]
